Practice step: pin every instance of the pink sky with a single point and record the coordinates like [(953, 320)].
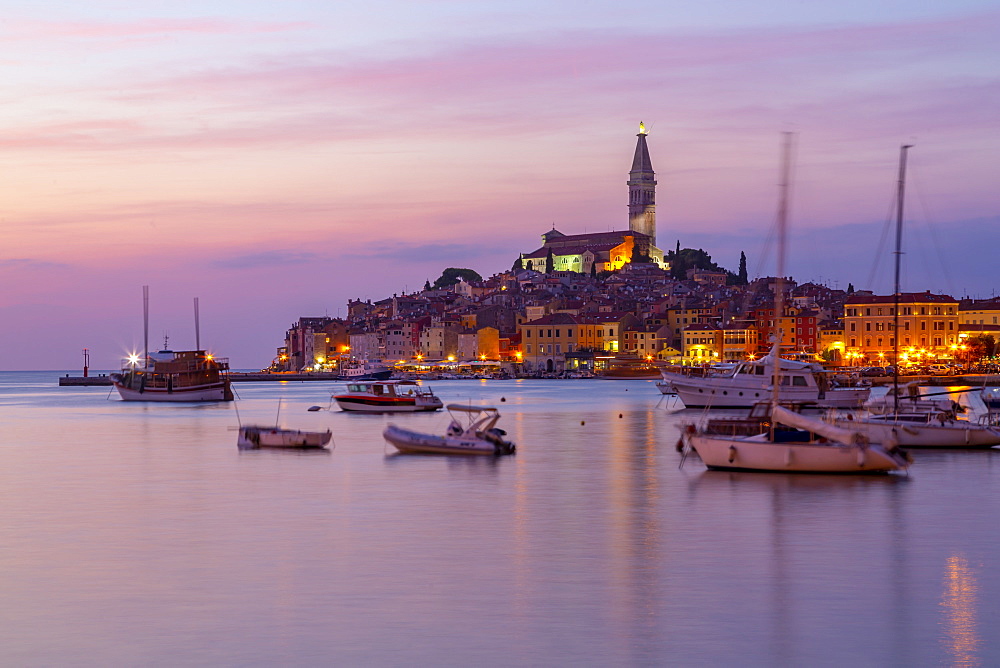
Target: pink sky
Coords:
[(275, 165)]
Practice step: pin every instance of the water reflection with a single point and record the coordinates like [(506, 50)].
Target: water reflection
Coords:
[(958, 605)]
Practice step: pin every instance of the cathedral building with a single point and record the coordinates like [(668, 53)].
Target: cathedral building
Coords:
[(610, 251)]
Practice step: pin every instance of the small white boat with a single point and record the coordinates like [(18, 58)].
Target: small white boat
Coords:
[(472, 431), (388, 396), (257, 436)]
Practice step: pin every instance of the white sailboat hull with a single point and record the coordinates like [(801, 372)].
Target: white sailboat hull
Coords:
[(950, 434), (748, 454)]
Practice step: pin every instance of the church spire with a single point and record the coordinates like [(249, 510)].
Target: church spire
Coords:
[(642, 190)]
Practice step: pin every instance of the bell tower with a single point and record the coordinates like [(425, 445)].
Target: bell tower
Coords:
[(642, 190)]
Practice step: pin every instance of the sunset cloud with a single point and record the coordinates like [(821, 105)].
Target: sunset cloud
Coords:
[(307, 155)]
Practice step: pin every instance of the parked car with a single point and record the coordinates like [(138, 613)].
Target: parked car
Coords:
[(939, 370), (872, 371)]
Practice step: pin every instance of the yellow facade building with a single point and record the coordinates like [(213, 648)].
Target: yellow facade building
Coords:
[(928, 328)]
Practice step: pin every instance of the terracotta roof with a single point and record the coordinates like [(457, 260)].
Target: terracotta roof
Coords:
[(904, 298)]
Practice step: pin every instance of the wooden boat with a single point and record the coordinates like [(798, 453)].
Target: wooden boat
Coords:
[(256, 436), (389, 396), (189, 375), (476, 434), (627, 366)]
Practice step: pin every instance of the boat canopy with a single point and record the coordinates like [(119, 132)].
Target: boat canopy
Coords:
[(470, 409), (825, 429)]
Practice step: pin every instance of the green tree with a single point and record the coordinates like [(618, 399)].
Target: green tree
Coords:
[(593, 269), (850, 288), (451, 275), (550, 263), (518, 264), (979, 347), (743, 279), (427, 285)]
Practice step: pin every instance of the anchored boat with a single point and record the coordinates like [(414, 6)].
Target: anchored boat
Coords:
[(189, 375), (389, 396), (256, 436), (472, 431)]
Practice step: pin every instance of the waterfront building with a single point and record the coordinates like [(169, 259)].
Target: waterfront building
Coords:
[(439, 341), (928, 327), (976, 314), (739, 343), (702, 344), (645, 341)]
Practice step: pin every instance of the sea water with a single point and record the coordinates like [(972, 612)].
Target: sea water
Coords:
[(138, 534)]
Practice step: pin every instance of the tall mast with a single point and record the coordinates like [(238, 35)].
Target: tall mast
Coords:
[(197, 327), (145, 326), (779, 284), (900, 188)]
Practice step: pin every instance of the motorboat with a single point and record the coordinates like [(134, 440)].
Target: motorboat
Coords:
[(749, 382), (256, 436), (351, 370), (388, 396), (472, 431), (792, 443), (189, 375)]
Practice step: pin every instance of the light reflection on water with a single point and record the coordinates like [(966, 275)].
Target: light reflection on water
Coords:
[(137, 533)]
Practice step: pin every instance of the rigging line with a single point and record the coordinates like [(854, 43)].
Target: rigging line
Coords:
[(883, 243), (936, 243)]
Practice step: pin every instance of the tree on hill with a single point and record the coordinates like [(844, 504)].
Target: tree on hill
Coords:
[(518, 264), (693, 258), (550, 263), (427, 286), (450, 276), (850, 288), (742, 275)]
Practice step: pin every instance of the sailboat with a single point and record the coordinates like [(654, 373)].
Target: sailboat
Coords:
[(914, 421), (788, 441)]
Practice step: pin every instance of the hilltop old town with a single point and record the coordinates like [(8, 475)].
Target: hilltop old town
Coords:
[(581, 303)]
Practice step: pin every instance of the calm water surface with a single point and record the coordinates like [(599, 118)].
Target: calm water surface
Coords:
[(138, 534)]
